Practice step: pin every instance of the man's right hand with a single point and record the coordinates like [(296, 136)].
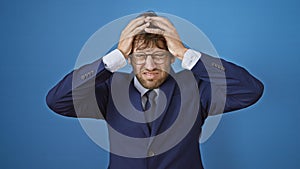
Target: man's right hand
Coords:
[(135, 27)]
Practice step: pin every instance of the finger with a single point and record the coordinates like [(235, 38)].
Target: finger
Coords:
[(163, 20), (134, 24), (155, 31), (129, 36), (140, 29), (147, 19), (165, 25), (160, 25), (168, 35)]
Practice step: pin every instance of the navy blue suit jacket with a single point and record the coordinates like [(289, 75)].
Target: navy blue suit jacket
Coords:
[(218, 86)]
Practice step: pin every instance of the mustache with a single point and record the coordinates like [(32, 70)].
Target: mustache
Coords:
[(152, 71), (156, 70)]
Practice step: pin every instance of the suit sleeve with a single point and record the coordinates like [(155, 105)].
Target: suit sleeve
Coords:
[(74, 95), (224, 86)]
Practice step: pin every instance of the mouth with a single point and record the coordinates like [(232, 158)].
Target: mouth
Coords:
[(151, 75)]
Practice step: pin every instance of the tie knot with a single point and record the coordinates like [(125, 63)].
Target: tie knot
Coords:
[(151, 94), (149, 99)]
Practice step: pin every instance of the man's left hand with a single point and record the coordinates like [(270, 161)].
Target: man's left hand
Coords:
[(167, 29)]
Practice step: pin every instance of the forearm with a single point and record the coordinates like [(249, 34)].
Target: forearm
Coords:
[(77, 87), (75, 96), (226, 84)]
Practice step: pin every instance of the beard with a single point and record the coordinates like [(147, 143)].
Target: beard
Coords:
[(152, 79)]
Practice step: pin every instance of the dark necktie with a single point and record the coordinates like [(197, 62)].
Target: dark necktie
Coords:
[(150, 106)]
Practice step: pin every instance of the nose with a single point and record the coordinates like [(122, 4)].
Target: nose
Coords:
[(149, 64)]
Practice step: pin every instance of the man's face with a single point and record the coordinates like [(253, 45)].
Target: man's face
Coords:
[(151, 74)]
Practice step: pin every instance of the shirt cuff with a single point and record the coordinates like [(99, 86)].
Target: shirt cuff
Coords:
[(114, 60), (190, 59)]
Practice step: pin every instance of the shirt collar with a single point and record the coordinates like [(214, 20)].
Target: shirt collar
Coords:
[(141, 88)]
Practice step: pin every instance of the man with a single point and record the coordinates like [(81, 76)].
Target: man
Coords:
[(154, 116)]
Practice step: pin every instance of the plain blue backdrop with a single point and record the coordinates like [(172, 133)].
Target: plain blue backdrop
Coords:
[(41, 39)]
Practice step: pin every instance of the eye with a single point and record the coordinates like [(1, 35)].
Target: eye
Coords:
[(159, 55), (139, 55)]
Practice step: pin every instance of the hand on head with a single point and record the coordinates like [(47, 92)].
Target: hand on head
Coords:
[(163, 26), (154, 25)]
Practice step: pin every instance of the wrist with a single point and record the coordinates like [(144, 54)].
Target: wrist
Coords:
[(181, 53), (122, 52), (114, 60)]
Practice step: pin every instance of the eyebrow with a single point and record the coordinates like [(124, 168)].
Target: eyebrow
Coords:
[(150, 52)]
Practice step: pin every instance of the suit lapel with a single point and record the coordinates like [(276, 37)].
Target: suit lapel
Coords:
[(135, 98), (123, 85), (166, 92)]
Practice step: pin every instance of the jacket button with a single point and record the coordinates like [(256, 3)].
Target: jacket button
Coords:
[(151, 154)]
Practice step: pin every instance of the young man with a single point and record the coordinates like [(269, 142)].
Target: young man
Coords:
[(154, 116)]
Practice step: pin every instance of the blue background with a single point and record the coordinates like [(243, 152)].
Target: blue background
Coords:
[(40, 41)]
